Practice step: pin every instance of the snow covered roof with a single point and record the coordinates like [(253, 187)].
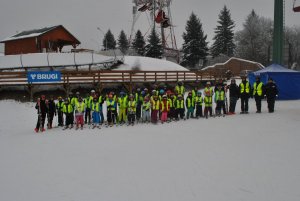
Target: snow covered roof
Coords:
[(30, 33), (53, 59), (149, 64), (234, 58), (275, 68)]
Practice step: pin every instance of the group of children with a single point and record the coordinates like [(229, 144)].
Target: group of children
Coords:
[(161, 104)]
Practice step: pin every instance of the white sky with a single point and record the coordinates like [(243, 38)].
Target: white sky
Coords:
[(82, 17)]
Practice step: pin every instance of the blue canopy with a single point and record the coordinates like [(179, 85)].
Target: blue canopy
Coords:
[(287, 80)]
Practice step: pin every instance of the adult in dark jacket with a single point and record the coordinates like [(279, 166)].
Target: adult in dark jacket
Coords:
[(41, 111), (51, 111), (234, 94), (258, 93), (245, 91), (271, 92)]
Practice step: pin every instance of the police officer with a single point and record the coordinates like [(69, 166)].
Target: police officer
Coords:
[(258, 93), (271, 94), (245, 89)]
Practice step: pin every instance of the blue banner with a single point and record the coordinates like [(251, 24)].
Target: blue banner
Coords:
[(43, 76)]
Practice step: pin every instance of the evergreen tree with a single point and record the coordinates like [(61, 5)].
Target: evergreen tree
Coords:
[(195, 45), (254, 41), (223, 39), (138, 43), (123, 42), (109, 41), (154, 48)]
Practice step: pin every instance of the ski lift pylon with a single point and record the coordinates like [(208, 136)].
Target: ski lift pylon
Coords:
[(296, 8)]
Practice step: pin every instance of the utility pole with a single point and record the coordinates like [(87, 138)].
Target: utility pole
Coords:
[(278, 34)]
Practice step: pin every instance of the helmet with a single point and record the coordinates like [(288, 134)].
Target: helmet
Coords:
[(153, 91), (59, 97), (161, 91), (131, 96), (179, 96), (122, 93), (164, 96), (199, 92), (146, 89), (208, 83), (138, 89), (146, 98), (71, 93), (77, 93), (180, 83), (143, 93), (93, 91)]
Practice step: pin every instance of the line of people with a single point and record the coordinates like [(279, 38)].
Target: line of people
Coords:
[(161, 104)]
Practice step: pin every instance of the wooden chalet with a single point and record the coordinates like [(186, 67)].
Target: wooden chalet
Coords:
[(49, 39)]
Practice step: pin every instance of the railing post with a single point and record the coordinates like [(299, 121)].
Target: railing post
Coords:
[(155, 77)]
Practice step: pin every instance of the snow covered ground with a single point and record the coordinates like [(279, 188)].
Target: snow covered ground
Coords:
[(241, 157)]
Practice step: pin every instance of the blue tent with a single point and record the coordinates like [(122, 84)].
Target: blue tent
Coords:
[(287, 81)]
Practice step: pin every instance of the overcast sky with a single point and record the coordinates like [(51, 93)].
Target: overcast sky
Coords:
[(82, 17)]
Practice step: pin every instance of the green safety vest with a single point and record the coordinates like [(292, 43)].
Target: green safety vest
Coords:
[(165, 105), (208, 101), (210, 89), (199, 100), (146, 105), (123, 102), (95, 106), (59, 105), (88, 101), (155, 105), (74, 101), (179, 104), (190, 102), (179, 90), (243, 88), (257, 88), (219, 96), (131, 106), (68, 108), (110, 105), (80, 107)]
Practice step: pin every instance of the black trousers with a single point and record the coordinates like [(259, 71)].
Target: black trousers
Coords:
[(180, 112), (41, 119), (258, 103), (50, 119), (271, 104), (244, 104), (69, 119), (199, 111), (87, 116), (131, 118), (207, 110), (220, 105), (60, 118), (232, 104), (138, 111), (111, 116)]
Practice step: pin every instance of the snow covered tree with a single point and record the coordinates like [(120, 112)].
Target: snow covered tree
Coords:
[(109, 41), (138, 43), (154, 47), (293, 41), (223, 39), (123, 43), (254, 42), (195, 45)]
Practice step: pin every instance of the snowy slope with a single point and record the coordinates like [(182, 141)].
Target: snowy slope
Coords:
[(242, 157), (149, 64)]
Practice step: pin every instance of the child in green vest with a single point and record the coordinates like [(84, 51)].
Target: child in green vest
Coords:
[(198, 104)]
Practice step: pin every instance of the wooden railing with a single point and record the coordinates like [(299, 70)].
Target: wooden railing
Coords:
[(106, 76)]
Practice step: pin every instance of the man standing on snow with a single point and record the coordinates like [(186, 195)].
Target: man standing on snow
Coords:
[(245, 90), (258, 93), (271, 94), (42, 111), (51, 111), (234, 93)]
